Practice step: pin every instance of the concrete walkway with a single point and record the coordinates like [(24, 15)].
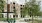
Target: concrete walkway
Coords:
[(17, 21), (3, 22)]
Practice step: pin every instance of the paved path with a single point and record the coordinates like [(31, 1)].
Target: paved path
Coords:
[(15, 22), (3, 22), (20, 22)]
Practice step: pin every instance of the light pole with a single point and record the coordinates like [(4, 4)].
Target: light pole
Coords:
[(8, 9)]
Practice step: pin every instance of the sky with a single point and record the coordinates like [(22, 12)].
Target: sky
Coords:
[(19, 1), (23, 1)]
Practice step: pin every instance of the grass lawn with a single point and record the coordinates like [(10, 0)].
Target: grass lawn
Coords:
[(2, 19)]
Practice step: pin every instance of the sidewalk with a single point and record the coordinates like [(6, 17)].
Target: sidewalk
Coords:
[(3, 22), (15, 22)]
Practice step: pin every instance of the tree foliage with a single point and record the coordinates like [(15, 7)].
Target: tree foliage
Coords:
[(2, 4), (31, 8)]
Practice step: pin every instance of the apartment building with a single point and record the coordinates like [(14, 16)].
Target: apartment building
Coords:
[(14, 10)]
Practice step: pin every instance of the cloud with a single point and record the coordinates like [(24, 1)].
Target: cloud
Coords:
[(20, 1)]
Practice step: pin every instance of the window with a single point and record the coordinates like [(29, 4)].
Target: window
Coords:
[(30, 15), (14, 7), (13, 16), (23, 5), (22, 16), (13, 2), (20, 5), (14, 10), (21, 8)]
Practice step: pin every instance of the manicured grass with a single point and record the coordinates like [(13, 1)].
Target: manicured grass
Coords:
[(5, 19), (2, 19)]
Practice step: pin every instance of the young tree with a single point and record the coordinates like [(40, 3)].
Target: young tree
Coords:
[(31, 8), (1, 7)]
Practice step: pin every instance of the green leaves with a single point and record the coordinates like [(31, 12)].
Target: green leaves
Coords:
[(31, 7), (2, 5)]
